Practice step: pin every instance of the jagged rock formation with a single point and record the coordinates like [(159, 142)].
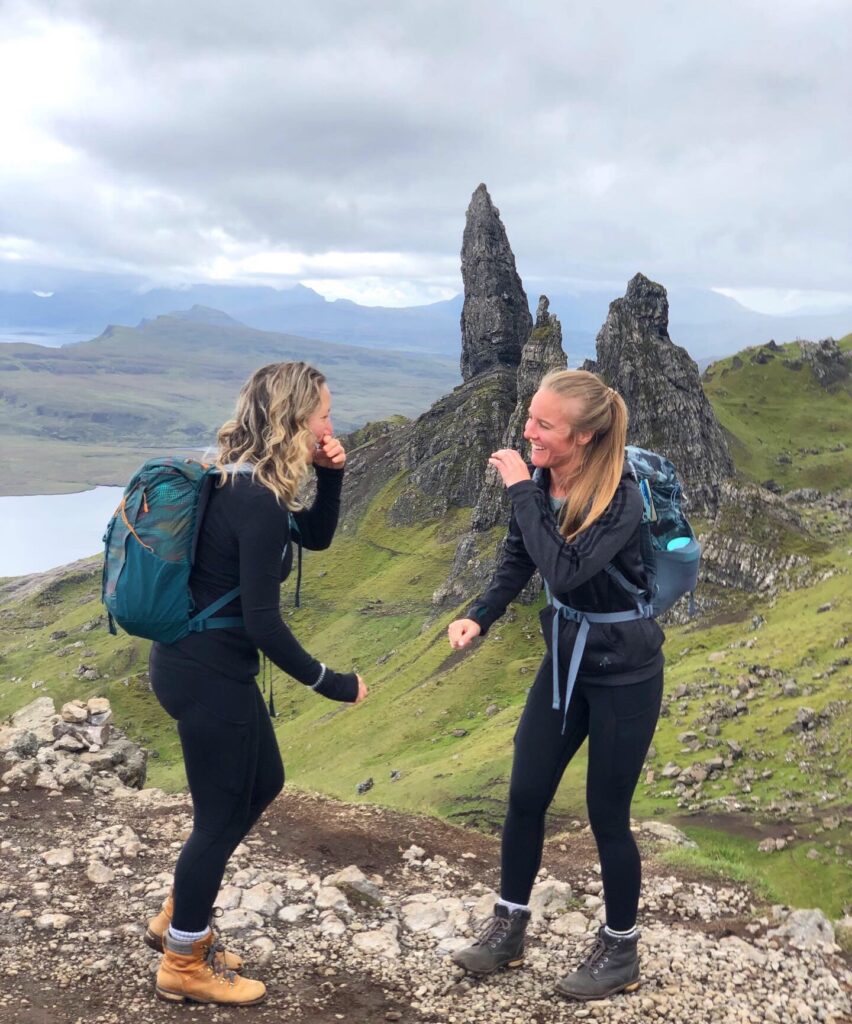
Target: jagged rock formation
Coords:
[(495, 320), (542, 353), (757, 542), (659, 381), (78, 748), (476, 555), (445, 451), (829, 363)]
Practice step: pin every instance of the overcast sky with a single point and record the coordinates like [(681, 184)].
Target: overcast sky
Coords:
[(338, 143)]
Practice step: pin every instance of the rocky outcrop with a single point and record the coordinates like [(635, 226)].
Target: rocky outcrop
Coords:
[(78, 748), (495, 320), (477, 554), (542, 353), (757, 542), (659, 381), (444, 452), (829, 364)]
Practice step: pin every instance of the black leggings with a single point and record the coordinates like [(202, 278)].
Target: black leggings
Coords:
[(233, 767), (619, 722)]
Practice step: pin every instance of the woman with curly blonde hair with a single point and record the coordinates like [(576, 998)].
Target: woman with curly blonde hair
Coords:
[(206, 682)]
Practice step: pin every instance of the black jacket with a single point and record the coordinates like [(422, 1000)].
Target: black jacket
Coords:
[(624, 652)]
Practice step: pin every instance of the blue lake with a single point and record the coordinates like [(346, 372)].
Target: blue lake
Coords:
[(42, 531)]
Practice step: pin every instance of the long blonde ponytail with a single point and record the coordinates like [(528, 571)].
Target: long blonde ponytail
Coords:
[(604, 414)]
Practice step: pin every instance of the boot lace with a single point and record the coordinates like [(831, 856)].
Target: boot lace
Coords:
[(597, 955), (493, 932), (216, 962)]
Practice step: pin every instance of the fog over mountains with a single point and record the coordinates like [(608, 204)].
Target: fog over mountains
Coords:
[(706, 323)]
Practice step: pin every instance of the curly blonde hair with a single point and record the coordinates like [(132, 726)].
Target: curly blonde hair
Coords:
[(604, 413), (269, 430)]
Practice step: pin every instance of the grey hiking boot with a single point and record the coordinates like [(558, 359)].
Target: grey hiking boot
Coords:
[(500, 942), (610, 966)]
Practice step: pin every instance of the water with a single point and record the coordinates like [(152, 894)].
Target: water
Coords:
[(49, 339), (42, 531)]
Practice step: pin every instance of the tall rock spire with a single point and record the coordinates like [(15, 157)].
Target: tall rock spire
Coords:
[(495, 320), (659, 381), (542, 353)]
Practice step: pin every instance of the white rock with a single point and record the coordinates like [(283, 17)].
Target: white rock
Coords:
[(294, 912), (572, 923), (265, 898), (740, 950), (806, 929), (332, 926), (99, 873), (239, 920), (451, 945), (97, 705), (414, 853), (52, 921), (329, 897), (419, 918), (60, 857), (263, 950), (74, 711), (352, 881), (484, 907), (35, 714), (668, 833), (229, 897), (381, 943), (550, 899)]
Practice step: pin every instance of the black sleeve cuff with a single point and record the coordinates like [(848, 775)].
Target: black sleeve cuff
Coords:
[(484, 615)]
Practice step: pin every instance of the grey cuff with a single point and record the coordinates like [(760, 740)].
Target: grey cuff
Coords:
[(318, 683)]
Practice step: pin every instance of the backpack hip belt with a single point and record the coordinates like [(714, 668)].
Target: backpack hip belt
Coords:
[(643, 610)]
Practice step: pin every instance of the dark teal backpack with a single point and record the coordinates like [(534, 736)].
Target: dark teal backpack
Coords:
[(149, 551)]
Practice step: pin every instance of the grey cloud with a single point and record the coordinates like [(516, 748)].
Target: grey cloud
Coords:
[(696, 142)]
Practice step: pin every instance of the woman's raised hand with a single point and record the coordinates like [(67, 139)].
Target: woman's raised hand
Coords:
[(510, 465), (329, 453), (362, 690), (462, 631)]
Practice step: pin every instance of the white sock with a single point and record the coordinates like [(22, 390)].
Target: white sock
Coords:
[(620, 935), (180, 936), (513, 906)]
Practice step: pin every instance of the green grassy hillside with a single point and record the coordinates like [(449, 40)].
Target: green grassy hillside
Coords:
[(170, 384), (445, 720), (781, 424)]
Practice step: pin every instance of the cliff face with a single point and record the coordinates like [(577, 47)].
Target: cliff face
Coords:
[(659, 381)]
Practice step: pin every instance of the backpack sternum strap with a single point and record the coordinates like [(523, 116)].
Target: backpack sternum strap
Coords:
[(204, 620)]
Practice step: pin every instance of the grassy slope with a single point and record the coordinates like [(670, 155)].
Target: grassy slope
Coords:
[(369, 595), (769, 410), (171, 383)]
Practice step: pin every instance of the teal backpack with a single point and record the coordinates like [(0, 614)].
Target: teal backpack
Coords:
[(670, 552), (149, 551)]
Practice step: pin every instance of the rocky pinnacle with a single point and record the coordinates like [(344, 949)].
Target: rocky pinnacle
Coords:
[(495, 320), (542, 353), (659, 381)]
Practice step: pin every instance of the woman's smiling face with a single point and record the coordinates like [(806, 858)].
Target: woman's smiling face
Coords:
[(549, 429)]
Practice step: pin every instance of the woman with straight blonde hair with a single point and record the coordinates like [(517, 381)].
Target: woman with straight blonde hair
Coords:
[(577, 521), (206, 682)]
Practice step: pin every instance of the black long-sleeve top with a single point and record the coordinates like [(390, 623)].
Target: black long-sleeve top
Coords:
[(624, 652), (245, 541)]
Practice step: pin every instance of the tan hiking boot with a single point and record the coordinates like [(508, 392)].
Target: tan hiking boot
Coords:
[(158, 926), (191, 972)]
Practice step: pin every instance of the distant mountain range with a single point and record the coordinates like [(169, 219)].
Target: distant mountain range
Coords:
[(709, 325)]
